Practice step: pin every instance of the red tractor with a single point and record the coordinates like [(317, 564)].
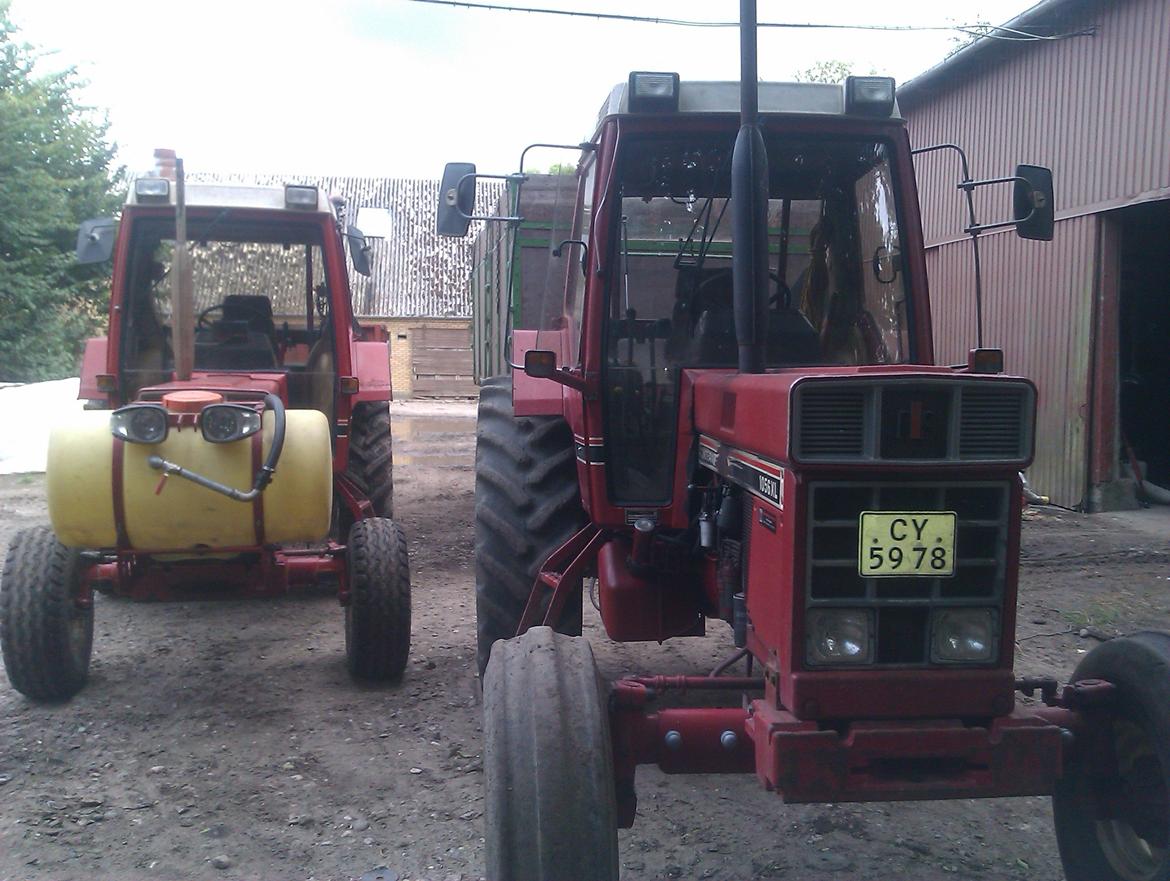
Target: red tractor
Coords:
[(733, 414), (237, 436)]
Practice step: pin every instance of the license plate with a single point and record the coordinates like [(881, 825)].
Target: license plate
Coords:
[(906, 543)]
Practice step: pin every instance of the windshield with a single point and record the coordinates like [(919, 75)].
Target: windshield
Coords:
[(261, 302), (836, 289)]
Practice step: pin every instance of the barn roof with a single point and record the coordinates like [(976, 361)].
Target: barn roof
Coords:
[(416, 273), (1046, 18)]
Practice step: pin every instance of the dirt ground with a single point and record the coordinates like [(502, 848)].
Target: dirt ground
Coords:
[(224, 740)]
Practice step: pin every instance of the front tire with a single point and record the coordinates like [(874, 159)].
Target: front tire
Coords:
[(377, 619), (46, 631), (527, 504), (1131, 843), (550, 811)]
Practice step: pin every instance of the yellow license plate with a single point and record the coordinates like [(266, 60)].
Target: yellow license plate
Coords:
[(906, 543)]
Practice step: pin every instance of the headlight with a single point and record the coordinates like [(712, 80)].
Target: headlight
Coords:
[(140, 423), (224, 423), (839, 636), (963, 636)]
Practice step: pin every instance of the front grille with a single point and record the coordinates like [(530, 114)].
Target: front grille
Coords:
[(991, 423), (832, 422), (912, 421), (902, 605)]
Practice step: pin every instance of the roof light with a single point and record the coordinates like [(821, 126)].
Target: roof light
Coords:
[(869, 95), (152, 189), (985, 360), (653, 92), (300, 197)]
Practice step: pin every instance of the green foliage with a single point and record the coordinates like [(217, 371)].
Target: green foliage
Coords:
[(825, 72), (55, 171), (562, 168)]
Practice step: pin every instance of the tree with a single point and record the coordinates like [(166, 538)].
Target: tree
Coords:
[(55, 171), (825, 72)]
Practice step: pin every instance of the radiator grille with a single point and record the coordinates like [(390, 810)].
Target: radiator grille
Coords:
[(991, 423), (832, 422), (902, 605), (912, 421)]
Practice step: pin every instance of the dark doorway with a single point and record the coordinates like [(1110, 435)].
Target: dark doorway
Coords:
[(1144, 358)]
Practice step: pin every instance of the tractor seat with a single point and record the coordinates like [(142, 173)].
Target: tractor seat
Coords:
[(255, 310)]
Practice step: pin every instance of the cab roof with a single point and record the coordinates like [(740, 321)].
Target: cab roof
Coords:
[(723, 97), (222, 195)]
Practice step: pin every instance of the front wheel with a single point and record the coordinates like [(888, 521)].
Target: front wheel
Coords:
[(550, 811), (1118, 829), (46, 624), (377, 619)]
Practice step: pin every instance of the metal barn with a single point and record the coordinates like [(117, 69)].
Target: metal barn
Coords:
[(1086, 316)]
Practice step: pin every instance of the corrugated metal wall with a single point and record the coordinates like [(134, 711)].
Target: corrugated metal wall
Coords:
[(1097, 110), (1037, 307), (416, 273)]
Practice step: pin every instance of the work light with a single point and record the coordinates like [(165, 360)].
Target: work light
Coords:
[(300, 197), (653, 92), (224, 423), (140, 423), (152, 189), (869, 95), (839, 636), (963, 636)]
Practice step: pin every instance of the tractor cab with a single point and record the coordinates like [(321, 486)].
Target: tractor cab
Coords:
[(837, 293), (269, 294)]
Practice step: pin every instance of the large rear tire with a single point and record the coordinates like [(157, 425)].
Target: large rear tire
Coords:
[(527, 504), (1132, 843), (46, 633), (377, 619), (550, 811), (371, 455)]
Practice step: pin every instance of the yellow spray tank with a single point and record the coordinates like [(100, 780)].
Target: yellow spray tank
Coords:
[(94, 479)]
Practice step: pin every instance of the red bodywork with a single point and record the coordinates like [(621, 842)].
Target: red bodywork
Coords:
[(363, 374), (810, 734)]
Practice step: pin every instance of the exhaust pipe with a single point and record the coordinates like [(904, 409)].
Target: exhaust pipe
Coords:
[(749, 200)]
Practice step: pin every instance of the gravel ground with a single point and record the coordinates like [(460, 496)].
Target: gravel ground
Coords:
[(225, 740)]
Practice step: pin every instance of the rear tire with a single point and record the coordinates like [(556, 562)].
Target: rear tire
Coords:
[(550, 811), (371, 455), (377, 619), (1136, 847), (527, 504), (46, 638)]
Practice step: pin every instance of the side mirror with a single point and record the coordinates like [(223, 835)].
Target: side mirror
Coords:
[(359, 251), (456, 199), (1033, 206), (95, 240)]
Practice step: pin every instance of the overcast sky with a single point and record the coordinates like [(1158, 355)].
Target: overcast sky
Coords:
[(396, 88)]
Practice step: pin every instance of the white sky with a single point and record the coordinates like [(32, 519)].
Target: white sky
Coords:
[(396, 88)]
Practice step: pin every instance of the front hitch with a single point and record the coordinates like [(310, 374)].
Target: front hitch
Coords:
[(263, 475)]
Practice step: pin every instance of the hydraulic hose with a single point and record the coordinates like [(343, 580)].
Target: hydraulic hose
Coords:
[(263, 475)]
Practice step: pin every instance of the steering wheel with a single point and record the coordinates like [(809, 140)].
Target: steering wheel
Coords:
[(201, 321), (722, 274)]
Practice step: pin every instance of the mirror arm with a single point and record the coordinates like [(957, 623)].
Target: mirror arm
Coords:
[(564, 377), (969, 185), (495, 218), (583, 146)]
